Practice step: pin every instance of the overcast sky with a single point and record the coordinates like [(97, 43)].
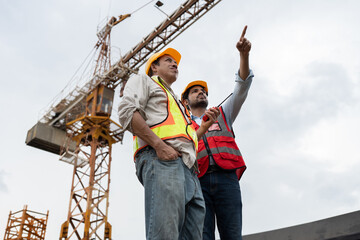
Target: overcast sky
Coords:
[(298, 130)]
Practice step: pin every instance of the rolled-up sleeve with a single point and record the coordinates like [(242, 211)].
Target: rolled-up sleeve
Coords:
[(135, 97), (241, 89), (248, 79)]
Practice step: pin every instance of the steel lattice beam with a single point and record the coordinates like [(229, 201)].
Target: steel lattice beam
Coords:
[(182, 18)]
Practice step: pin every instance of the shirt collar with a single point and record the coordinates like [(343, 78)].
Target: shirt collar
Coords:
[(193, 117)]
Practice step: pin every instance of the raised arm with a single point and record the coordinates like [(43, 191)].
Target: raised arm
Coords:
[(244, 47), (242, 83)]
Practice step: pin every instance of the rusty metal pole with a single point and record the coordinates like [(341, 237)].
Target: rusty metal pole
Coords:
[(108, 227), (89, 205), (22, 223)]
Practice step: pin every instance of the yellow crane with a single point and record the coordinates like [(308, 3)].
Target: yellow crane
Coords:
[(79, 125)]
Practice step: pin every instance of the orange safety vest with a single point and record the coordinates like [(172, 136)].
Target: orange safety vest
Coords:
[(175, 125), (219, 142)]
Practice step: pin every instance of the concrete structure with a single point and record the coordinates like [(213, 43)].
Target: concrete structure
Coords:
[(342, 227)]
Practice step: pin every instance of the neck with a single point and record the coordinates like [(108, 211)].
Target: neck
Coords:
[(198, 112), (168, 81)]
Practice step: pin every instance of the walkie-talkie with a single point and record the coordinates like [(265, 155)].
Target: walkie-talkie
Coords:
[(206, 118)]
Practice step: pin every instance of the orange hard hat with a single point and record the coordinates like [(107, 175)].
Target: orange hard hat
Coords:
[(169, 51), (192, 84)]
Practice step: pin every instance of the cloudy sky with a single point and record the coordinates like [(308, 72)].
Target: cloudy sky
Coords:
[(298, 130)]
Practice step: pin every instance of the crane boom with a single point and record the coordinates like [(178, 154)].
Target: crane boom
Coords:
[(181, 19)]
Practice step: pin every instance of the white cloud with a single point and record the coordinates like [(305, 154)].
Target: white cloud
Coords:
[(3, 186), (333, 142)]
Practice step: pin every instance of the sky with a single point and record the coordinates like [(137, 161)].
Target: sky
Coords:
[(298, 130)]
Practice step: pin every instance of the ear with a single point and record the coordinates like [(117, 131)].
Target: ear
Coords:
[(153, 68), (186, 102)]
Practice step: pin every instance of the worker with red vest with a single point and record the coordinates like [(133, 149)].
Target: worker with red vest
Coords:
[(220, 162), (165, 145)]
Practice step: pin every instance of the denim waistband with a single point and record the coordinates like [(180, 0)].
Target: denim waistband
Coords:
[(147, 148), (194, 168)]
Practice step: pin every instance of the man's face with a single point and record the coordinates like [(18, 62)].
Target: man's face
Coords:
[(197, 97), (167, 69)]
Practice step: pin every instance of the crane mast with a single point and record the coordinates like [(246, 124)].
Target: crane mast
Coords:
[(83, 115), (94, 133)]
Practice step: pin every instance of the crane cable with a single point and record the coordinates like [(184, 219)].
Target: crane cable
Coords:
[(91, 52), (142, 7)]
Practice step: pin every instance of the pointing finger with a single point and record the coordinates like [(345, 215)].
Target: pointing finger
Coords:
[(243, 32)]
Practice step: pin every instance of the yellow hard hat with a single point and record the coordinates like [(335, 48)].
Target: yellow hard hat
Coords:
[(169, 51), (195, 83)]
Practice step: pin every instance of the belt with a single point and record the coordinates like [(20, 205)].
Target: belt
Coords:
[(213, 168)]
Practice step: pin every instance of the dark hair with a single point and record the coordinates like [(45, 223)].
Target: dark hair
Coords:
[(156, 62), (186, 94)]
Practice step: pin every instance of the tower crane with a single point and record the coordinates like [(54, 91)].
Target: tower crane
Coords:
[(79, 125)]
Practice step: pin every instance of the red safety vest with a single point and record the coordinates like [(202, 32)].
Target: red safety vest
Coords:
[(219, 141)]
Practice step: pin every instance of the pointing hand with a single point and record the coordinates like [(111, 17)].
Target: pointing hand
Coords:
[(243, 45)]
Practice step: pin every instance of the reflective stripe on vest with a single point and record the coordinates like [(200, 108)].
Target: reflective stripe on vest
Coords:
[(221, 142), (175, 125)]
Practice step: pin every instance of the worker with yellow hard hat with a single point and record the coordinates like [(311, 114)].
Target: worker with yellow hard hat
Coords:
[(155, 58), (185, 93), (220, 160), (165, 143)]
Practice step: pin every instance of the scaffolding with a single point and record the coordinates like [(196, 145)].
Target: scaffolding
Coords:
[(26, 225)]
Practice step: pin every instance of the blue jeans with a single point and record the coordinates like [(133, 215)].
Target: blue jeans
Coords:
[(174, 204), (222, 196)]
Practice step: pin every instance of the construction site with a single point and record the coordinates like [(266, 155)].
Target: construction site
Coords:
[(74, 177)]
